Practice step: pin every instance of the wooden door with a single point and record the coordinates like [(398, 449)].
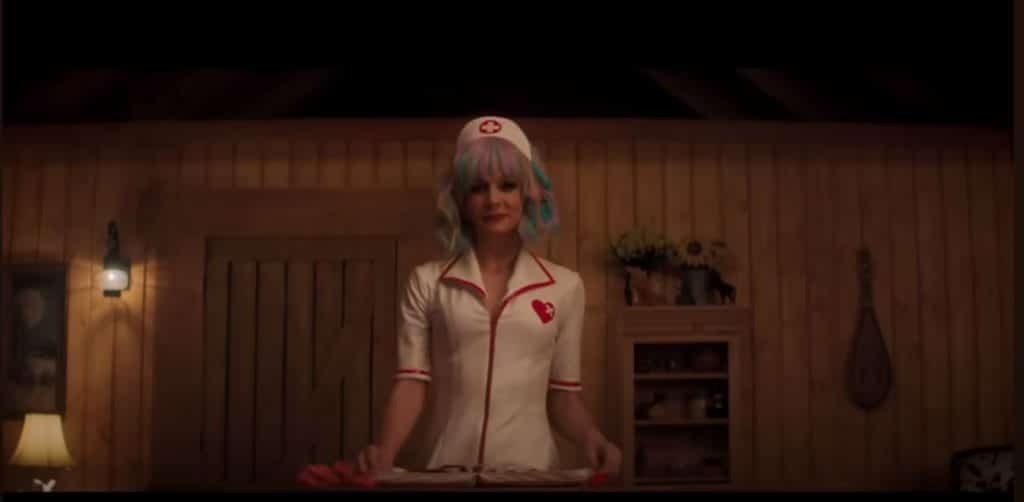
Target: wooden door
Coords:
[(239, 278), (289, 352)]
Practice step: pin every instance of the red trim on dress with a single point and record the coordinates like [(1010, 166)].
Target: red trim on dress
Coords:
[(413, 371), (490, 355), (464, 282), (565, 383)]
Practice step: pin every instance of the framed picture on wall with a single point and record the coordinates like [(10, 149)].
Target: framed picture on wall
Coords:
[(34, 317)]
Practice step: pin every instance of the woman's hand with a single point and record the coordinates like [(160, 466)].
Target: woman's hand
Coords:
[(372, 460), (601, 454)]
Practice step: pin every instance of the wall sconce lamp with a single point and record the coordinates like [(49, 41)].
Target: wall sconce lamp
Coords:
[(116, 275)]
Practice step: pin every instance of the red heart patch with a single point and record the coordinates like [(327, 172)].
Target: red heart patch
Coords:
[(544, 310)]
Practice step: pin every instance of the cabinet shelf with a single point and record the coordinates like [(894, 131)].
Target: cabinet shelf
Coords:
[(686, 361)]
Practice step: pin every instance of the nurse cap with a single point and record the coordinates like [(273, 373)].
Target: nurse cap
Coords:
[(494, 127)]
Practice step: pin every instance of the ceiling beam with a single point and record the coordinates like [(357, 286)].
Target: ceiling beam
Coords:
[(285, 93), (697, 94), (803, 100), (65, 95)]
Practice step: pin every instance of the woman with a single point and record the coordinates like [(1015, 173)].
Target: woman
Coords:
[(495, 330)]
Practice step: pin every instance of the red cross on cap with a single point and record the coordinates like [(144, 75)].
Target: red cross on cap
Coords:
[(490, 126)]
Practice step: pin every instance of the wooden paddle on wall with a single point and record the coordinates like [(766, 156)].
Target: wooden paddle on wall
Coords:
[(868, 367)]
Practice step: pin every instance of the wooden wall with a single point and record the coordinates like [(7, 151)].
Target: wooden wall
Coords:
[(794, 202)]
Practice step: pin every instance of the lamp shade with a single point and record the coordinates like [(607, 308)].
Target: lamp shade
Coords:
[(42, 443), (114, 280)]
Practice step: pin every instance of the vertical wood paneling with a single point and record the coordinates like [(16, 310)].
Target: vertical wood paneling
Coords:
[(986, 297), (1004, 202), (650, 186), (563, 172), (707, 198), (767, 356), (444, 155), (792, 310), (959, 271), (620, 216), (334, 166), (23, 246), (249, 159), (299, 358), (679, 192), (329, 281), (171, 171), (591, 259), (241, 371), (177, 277), (126, 423), (80, 237), (304, 160), (936, 332), (593, 229), (876, 216), (11, 159), (220, 166), (358, 330), (215, 360), (100, 342), (361, 165), (269, 443), (736, 218), (168, 167), (818, 239), (194, 159), (277, 164), (419, 165), (53, 208), (391, 165), (28, 190), (850, 420), (385, 312), (906, 337), (541, 247), (621, 202)]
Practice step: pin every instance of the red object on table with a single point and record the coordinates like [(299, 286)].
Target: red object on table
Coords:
[(598, 479), (339, 474)]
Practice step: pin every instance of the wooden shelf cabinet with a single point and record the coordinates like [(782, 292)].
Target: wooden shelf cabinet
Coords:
[(687, 419)]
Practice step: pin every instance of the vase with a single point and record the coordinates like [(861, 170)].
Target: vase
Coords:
[(698, 285)]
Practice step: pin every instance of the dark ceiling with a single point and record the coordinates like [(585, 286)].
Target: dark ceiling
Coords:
[(46, 80)]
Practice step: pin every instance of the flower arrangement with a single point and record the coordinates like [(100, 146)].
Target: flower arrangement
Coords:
[(643, 249), (713, 254), (702, 267)]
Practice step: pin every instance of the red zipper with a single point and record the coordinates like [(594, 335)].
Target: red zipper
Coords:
[(487, 394), (490, 359)]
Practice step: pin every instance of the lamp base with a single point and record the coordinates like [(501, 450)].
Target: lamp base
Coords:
[(47, 486)]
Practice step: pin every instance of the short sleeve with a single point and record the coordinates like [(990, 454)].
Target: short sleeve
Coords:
[(414, 329), (566, 367)]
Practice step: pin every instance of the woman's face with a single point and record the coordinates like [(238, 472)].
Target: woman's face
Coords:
[(494, 206)]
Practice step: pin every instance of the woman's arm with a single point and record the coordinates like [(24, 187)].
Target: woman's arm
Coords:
[(570, 417), (404, 406)]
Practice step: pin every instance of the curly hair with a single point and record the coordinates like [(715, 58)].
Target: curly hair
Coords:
[(483, 159)]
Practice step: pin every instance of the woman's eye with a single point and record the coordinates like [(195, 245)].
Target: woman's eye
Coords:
[(477, 188), (509, 186)]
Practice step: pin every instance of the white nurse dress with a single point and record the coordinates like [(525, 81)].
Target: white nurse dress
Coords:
[(490, 381)]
